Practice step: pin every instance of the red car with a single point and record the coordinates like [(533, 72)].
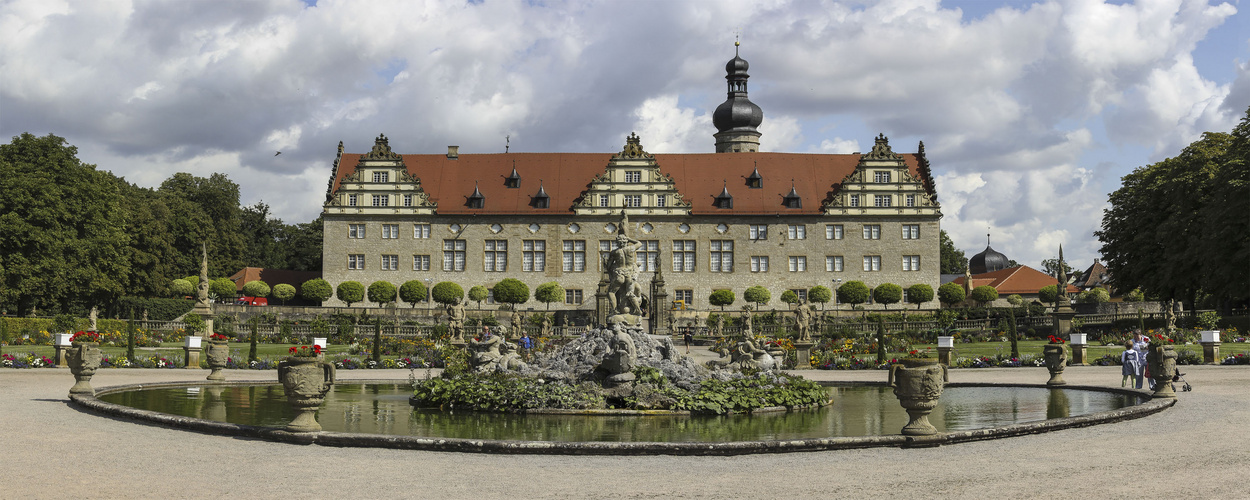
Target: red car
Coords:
[(253, 301)]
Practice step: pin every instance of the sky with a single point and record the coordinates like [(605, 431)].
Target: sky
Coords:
[(1030, 112)]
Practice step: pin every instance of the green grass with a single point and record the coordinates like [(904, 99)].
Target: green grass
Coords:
[(1034, 347), (262, 350)]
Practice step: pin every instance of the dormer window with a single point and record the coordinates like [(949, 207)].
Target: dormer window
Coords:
[(476, 200), (792, 200), (512, 181), (541, 200), (381, 177), (755, 181), (724, 200)]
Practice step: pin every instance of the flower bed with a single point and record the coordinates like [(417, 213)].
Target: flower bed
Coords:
[(29, 360)]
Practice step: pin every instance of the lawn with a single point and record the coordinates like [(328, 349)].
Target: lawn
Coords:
[(1034, 347)]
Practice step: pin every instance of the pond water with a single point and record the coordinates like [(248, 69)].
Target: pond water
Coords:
[(856, 411)]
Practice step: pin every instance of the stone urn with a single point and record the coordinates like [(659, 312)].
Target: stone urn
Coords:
[(1056, 360), (918, 383), (84, 360), (306, 380), (218, 354), (1161, 360)]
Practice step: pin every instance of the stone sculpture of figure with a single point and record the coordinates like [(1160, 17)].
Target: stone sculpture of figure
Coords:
[(201, 295), (517, 320), (747, 329), (747, 355), (624, 355), (456, 316), (486, 353), (1169, 315), (624, 292), (720, 325), (92, 317), (803, 320), (145, 317), (509, 359), (546, 327)]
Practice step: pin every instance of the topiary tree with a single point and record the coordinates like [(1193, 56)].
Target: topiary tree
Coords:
[(181, 287), (1135, 295), (919, 294), (511, 291), (1015, 300), (984, 295), (316, 290), (413, 291), (1048, 294), (194, 281), (887, 293), (549, 292), (951, 294), (757, 295), (223, 289), (256, 288), (479, 293), (381, 292), (446, 292), (820, 294), (1094, 296), (789, 297), (853, 293), (283, 292), (350, 292), (721, 298)]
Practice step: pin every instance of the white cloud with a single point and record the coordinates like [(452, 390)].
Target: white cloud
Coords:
[(663, 127)]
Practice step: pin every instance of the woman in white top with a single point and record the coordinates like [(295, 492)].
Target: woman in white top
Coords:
[(1130, 366)]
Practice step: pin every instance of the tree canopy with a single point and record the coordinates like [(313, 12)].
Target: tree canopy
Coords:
[(350, 292), (446, 292), (853, 293), (381, 292), (984, 294), (316, 290), (283, 292), (951, 294), (478, 293), (511, 291), (549, 292), (721, 298), (413, 291), (256, 288), (757, 295), (953, 259), (887, 293), (919, 294), (820, 294)]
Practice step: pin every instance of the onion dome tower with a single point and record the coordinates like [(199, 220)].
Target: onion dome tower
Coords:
[(737, 118), (988, 261)]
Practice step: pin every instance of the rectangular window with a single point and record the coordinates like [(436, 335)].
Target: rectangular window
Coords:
[(759, 232), (603, 200), (633, 176), (798, 264), (882, 200), (911, 262), (683, 256), (355, 230), (759, 264), (390, 231), (355, 261), (833, 263), (574, 256), (872, 231), (661, 200), (833, 232), (421, 231), (881, 177), (390, 262), (722, 260), (911, 200), (453, 255), (686, 296), (533, 255), (911, 231), (633, 200), (353, 200), (645, 257), (872, 262), (381, 200), (854, 200), (801, 292), (381, 177), (495, 258), (407, 200), (573, 297), (420, 262), (797, 232)]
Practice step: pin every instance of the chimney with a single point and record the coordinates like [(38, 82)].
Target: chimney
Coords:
[(453, 152)]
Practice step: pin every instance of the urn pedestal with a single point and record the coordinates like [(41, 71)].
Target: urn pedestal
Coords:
[(1056, 360), (1080, 346), (1162, 363), (306, 381), (1210, 347), (803, 355), (918, 384), (945, 344), (218, 354), (84, 360)]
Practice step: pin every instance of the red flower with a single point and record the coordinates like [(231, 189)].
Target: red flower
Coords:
[(293, 348)]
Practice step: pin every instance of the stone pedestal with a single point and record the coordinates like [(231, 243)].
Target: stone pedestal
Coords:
[(1079, 348), (1210, 347), (62, 345), (192, 347), (803, 355), (944, 347), (1063, 319)]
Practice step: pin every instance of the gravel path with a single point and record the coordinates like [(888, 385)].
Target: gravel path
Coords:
[(1197, 449)]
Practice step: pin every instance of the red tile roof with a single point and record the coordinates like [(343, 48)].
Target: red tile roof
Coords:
[(272, 277), (565, 176), (1019, 279)]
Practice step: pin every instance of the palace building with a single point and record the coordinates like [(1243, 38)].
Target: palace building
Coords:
[(731, 219)]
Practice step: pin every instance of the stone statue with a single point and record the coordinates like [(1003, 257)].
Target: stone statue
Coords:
[(201, 296), (145, 316), (803, 320), (1063, 281), (720, 325), (456, 316), (92, 317), (509, 360), (625, 294), (546, 326), (517, 321), (620, 362), (747, 329), (486, 353), (1169, 315), (745, 355)]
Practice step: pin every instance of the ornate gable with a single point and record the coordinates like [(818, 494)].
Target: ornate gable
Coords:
[(880, 185), (380, 184), (632, 182)]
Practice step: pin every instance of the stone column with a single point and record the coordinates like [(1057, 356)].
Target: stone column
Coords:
[(944, 346), (1210, 347), (1079, 346)]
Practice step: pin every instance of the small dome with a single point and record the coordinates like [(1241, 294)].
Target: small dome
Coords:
[(737, 114), (988, 261), (737, 65)]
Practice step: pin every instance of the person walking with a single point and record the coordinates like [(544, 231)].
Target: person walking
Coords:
[(1130, 366), (526, 345), (689, 338)]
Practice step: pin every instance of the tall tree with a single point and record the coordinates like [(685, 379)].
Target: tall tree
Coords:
[(953, 259), (205, 210), (1051, 267), (1224, 248)]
